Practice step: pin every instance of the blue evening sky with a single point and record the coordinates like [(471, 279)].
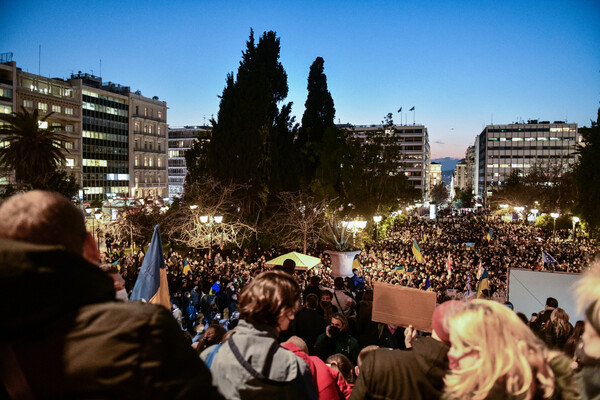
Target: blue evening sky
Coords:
[(460, 63)]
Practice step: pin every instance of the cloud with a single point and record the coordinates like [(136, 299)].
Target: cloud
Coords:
[(439, 142)]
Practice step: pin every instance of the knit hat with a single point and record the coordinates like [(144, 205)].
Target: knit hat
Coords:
[(439, 319)]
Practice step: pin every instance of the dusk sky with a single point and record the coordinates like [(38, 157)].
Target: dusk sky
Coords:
[(459, 63)]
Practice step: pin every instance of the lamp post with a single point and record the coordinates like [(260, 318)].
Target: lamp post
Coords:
[(534, 211), (377, 219), (554, 215), (575, 221)]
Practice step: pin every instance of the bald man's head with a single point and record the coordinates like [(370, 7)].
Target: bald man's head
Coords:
[(43, 218)]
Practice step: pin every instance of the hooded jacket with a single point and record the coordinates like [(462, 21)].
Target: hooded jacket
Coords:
[(404, 374), (287, 376), (69, 339)]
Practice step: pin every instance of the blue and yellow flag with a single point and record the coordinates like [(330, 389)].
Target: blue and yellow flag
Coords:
[(186, 267), (417, 251), (483, 283), (490, 235), (151, 285)]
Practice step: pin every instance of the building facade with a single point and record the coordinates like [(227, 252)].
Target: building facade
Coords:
[(503, 149), (414, 156), (148, 128), (435, 174), (181, 140), (107, 129)]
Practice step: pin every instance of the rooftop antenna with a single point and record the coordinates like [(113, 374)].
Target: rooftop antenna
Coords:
[(204, 120)]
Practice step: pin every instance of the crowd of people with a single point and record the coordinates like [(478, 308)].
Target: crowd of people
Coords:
[(239, 328)]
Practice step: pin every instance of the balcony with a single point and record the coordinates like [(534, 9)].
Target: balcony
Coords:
[(154, 134), (137, 115)]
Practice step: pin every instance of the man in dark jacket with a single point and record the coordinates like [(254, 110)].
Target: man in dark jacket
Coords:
[(417, 373), (71, 339), (309, 324)]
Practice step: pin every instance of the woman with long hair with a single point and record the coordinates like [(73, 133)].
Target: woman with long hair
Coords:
[(574, 339), (250, 363), (494, 355), (557, 330)]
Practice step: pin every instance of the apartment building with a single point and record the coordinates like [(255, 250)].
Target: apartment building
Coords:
[(502, 149), (181, 139), (414, 156)]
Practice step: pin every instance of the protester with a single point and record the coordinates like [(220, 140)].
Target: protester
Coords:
[(495, 356), (557, 330), (251, 363), (330, 384), (342, 364), (587, 355), (67, 337), (408, 374), (574, 339), (336, 339), (308, 324)]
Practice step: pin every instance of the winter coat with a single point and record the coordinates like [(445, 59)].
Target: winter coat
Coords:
[(404, 374), (270, 371), (330, 384), (70, 339)]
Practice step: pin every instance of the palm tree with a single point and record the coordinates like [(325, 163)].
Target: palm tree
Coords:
[(33, 152)]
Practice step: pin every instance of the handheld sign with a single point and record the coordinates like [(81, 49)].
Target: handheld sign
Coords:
[(403, 306)]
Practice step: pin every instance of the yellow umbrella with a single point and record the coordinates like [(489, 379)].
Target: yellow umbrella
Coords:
[(303, 262)]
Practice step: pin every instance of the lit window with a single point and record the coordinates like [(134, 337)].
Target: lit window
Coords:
[(145, 112), (68, 111), (68, 128), (160, 115), (69, 162), (28, 103), (43, 107), (55, 108)]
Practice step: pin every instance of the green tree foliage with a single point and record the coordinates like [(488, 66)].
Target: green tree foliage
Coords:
[(317, 119), (63, 183), (252, 139), (34, 153), (587, 175), (439, 193), (464, 197), (372, 177), (548, 185)]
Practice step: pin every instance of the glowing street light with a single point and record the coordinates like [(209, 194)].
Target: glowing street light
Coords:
[(575, 221), (519, 210), (554, 215), (377, 219), (535, 212)]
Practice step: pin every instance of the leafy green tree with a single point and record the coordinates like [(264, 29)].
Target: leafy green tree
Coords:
[(464, 197), (439, 193), (63, 183), (252, 139), (34, 153), (587, 175), (318, 117)]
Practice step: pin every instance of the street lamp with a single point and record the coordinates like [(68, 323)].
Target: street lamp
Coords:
[(377, 219), (575, 221), (519, 210), (98, 215), (554, 215), (534, 211)]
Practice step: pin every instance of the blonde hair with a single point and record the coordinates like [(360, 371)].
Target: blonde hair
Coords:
[(511, 357), (588, 292), (560, 322)]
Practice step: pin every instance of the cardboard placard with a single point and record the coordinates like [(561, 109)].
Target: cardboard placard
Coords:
[(403, 306)]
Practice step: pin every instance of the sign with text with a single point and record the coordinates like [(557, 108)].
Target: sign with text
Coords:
[(403, 306)]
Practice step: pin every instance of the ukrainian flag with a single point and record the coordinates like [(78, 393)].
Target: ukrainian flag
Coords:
[(490, 235), (417, 251), (186, 267), (151, 285), (483, 283)]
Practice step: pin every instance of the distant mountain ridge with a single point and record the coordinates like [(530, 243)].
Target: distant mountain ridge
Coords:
[(448, 166), (448, 163)]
